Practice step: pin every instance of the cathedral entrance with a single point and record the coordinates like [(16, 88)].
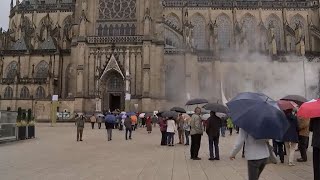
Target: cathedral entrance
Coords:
[(113, 92), (114, 101)]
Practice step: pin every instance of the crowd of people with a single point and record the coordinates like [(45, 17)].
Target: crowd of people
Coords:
[(256, 151)]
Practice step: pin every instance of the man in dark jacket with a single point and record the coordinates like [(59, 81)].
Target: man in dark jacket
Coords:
[(128, 126), (213, 131), (315, 128)]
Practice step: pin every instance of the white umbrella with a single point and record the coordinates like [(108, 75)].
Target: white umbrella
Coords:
[(205, 117), (142, 115)]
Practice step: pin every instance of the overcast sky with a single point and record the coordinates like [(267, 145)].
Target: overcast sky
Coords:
[(4, 13)]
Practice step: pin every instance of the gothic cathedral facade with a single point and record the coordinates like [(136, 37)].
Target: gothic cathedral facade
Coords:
[(140, 55)]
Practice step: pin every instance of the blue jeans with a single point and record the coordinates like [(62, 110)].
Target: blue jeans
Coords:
[(187, 134), (130, 132), (170, 138), (223, 131)]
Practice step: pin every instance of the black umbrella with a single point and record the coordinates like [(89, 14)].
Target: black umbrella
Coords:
[(178, 109), (215, 107), (196, 101), (159, 114), (170, 114), (295, 98)]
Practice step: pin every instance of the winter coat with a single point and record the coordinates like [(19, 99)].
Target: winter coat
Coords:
[(292, 133), (128, 123), (171, 126), (213, 126), (304, 127), (315, 128), (229, 123), (109, 125), (196, 125), (93, 119), (163, 125), (80, 121)]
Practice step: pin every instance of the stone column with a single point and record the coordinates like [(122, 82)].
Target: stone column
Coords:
[(80, 69), (146, 69), (133, 72), (127, 80), (138, 73)]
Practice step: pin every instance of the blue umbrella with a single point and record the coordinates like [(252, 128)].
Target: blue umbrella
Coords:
[(130, 113), (258, 115), (110, 118)]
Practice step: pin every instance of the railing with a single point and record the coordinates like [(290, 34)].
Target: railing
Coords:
[(44, 7), (40, 80), (243, 4), (174, 51), (7, 81), (25, 81), (114, 39)]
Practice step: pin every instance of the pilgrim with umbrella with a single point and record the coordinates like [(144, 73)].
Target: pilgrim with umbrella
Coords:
[(259, 118)]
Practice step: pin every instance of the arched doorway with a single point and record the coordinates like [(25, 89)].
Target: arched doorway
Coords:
[(113, 91)]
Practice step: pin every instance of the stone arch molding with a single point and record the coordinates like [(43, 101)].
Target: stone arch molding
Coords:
[(112, 65)]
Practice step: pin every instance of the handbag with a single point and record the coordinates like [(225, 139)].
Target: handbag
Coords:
[(272, 158)]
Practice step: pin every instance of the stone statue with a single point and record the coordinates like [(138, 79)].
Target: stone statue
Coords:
[(83, 22), (188, 35), (272, 40), (84, 5), (299, 40)]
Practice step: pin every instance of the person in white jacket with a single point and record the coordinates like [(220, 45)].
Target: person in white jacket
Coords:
[(171, 129)]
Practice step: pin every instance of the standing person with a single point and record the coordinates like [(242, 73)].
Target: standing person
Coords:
[(278, 148), (256, 153), (186, 127), (93, 120), (80, 121), (99, 121), (304, 132), (143, 122), (128, 126), (171, 129), (315, 129), (291, 136), (154, 120), (180, 124), (230, 125), (149, 124), (213, 131), (163, 129), (196, 133), (109, 127), (223, 126), (134, 122)]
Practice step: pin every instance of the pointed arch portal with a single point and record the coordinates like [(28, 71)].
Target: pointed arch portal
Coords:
[(112, 86)]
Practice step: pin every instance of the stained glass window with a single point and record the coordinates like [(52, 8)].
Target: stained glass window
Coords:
[(199, 32), (297, 19), (273, 19), (24, 93), (224, 31), (40, 93), (12, 70), (115, 83), (171, 39), (42, 70), (249, 25), (8, 93), (173, 20), (117, 9)]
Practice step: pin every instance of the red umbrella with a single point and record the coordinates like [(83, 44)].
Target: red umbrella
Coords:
[(310, 109), (285, 105)]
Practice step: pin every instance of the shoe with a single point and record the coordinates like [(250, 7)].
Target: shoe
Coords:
[(130, 138), (211, 159), (80, 139), (301, 160), (216, 158), (291, 164), (186, 144), (282, 161), (197, 158)]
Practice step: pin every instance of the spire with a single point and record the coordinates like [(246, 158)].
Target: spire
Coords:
[(11, 4)]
